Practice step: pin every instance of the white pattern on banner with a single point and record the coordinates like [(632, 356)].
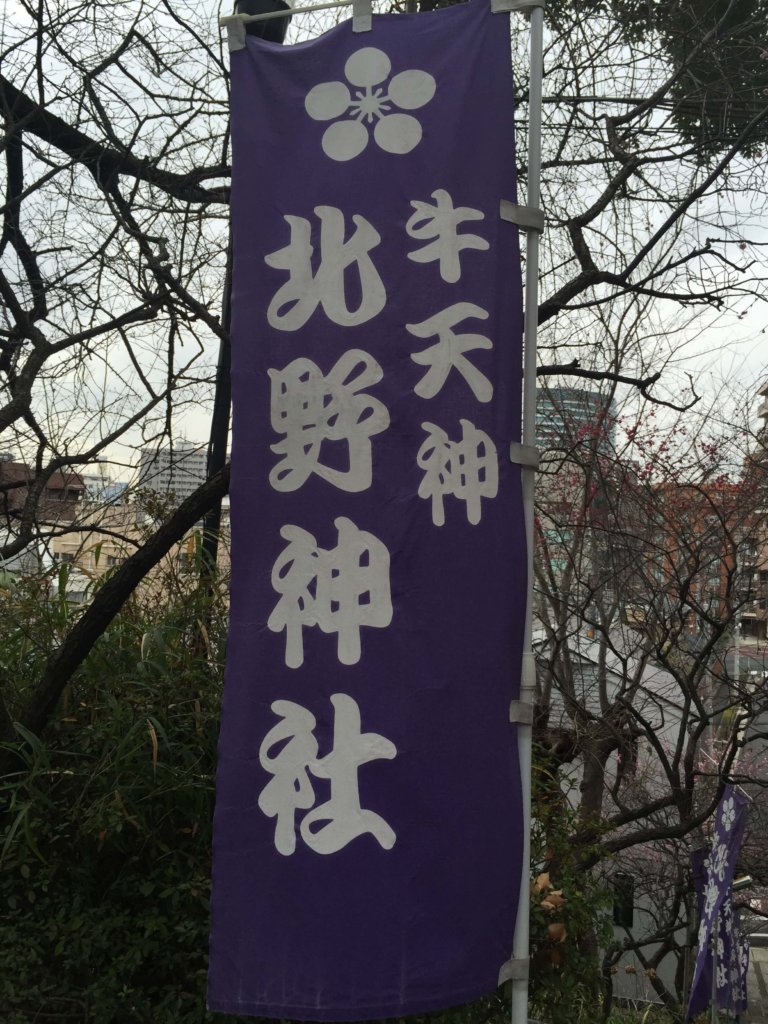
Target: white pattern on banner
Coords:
[(448, 352), (309, 408), (370, 102), (441, 222), (468, 469), (338, 590), (728, 816), (296, 301), (291, 788), (342, 589), (341, 818)]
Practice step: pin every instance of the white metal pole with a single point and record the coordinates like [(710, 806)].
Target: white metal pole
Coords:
[(715, 951), (249, 19), (521, 947)]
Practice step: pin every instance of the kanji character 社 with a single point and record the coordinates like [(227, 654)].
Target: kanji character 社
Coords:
[(309, 409), (468, 469), (338, 590), (441, 221), (295, 302), (448, 351), (341, 818)]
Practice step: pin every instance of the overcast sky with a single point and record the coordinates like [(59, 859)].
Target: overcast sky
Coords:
[(729, 352)]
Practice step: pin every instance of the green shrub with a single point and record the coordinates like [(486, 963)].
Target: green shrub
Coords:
[(106, 842)]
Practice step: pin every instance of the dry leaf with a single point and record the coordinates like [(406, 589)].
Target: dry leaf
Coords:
[(557, 932), (542, 883), (554, 900)]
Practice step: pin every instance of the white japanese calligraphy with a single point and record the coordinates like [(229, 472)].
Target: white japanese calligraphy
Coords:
[(341, 818), (296, 301), (448, 352), (338, 590), (310, 408), (291, 788), (342, 814), (468, 469), (441, 221)]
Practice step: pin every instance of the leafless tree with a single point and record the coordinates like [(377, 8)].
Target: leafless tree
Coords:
[(652, 590)]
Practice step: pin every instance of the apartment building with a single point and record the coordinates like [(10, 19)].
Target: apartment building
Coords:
[(175, 470)]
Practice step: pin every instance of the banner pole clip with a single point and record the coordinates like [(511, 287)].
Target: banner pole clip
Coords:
[(235, 26), (529, 218), (362, 19), (514, 970), (524, 455), (520, 712)]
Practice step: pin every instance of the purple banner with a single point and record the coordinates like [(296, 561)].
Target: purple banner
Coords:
[(713, 880), (367, 836), (732, 960)]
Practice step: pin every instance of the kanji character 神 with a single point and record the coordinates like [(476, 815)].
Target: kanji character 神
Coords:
[(338, 590), (448, 352), (468, 469), (309, 409), (341, 818), (296, 301), (441, 222)]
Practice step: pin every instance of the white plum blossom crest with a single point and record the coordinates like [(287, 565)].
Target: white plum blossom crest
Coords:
[(368, 103), (728, 815)]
